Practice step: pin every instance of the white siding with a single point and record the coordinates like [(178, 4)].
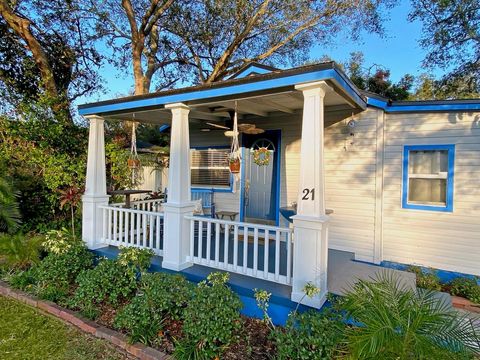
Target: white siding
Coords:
[(350, 170), (443, 240)]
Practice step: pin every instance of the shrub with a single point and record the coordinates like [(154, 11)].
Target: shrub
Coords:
[(109, 282), (136, 257), (20, 251), (24, 279), (160, 295), (467, 288), (398, 322), (9, 211), (211, 319), (426, 280), (310, 335), (57, 272)]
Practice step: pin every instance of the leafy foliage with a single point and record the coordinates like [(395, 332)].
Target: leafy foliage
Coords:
[(160, 295), (451, 35), (20, 251), (310, 335), (9, 212), (467, 288), (109, 282), (136, 257), (57, 272), (211, 319), (396, 322), (426, 280)]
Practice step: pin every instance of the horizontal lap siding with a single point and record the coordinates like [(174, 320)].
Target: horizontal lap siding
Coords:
[(350, 168), (449, 241)]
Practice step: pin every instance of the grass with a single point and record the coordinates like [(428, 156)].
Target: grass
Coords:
[(25, 333)]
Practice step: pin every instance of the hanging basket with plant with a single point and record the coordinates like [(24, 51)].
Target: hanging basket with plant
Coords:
[(234, 163)]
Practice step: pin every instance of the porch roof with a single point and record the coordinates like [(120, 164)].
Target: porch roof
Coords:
[(273, 82)]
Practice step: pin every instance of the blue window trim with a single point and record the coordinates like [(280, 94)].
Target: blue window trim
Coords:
[(451, 165), (208, 188)]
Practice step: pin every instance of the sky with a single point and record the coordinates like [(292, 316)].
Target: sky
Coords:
[(398, 51)]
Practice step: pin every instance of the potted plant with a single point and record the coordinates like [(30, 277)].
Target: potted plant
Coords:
[(234, 163), (133, 163)]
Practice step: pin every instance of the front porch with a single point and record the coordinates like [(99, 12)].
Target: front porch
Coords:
[(281, 258)]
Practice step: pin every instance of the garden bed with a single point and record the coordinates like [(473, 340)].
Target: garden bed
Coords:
[(155, 315)]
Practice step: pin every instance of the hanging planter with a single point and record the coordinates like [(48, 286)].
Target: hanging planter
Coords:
[(133, 163), (234, 164)]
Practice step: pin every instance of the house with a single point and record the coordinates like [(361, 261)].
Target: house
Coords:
[(324, 166)]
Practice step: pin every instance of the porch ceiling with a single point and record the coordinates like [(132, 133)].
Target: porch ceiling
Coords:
[(248, 106)]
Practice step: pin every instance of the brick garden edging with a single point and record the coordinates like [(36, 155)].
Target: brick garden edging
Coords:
[(465, 304), (71, 317)]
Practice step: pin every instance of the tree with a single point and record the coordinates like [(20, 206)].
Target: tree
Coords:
[(376, 79), (173, 41), (137, 35), (451, 35), (223, 36), (48, 52)]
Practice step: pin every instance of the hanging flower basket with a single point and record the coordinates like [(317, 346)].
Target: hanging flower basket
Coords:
[(133, 163), (234, 165), (261, 156)]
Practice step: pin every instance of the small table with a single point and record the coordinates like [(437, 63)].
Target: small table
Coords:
[(222, 214), (127, 194)]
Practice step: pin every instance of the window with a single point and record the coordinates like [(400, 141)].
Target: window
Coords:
[(209, 168), (428, 177)]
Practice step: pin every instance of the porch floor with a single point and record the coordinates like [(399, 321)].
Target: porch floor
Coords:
[(343, 271)]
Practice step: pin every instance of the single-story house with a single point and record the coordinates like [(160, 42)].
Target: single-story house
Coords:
[(324, 166)]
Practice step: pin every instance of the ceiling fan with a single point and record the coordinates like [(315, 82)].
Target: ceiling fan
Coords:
[(245, 128)]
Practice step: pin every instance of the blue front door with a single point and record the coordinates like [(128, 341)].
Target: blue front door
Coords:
[(260, 193)]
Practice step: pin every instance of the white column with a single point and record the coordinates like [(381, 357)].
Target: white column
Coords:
[(176, 242), (95, 185), (311, 224)]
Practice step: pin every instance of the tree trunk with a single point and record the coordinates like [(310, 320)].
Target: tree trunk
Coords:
[(21, 27)]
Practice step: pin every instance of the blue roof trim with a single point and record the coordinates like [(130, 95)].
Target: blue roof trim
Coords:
[(250, 70), (328, 74), (394, 108)]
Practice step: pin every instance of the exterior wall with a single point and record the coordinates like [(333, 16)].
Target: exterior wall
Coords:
[(350, 170), (444, 240), (364, 185)]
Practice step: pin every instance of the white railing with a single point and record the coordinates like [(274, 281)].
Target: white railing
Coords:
[(260, 251), (132, 227), (143, 205)]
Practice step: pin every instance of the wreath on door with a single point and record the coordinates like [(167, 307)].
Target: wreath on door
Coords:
[(262, 151)]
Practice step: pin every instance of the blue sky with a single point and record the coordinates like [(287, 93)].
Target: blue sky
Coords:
[(398, 51)]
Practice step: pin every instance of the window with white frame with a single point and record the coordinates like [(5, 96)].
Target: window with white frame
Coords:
[(428, 177), (209, 168)]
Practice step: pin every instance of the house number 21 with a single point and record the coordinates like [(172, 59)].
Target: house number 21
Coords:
[(308, 194)]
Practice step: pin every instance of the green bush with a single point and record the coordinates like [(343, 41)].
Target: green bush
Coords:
[(396, 322), (20, 251), (467, 288), (25, 280), (426, 280), (310, 335), (136, 257), (159, 295), (211, 319), (109, 282), (57, 272)]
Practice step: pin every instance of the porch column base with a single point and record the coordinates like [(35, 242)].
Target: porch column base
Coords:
[(92, 224), (310, 258), (176, 240)]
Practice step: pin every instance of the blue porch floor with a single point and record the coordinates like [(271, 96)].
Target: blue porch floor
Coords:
[(343, 271)]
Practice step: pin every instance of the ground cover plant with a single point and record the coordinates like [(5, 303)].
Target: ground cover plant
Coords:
[(27, 334)]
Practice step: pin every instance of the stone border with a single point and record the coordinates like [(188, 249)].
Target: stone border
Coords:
[(465, 304), (90, 327)]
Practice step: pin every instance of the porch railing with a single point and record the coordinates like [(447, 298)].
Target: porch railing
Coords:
[(144, 205), (133, 227), (260, 251)]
